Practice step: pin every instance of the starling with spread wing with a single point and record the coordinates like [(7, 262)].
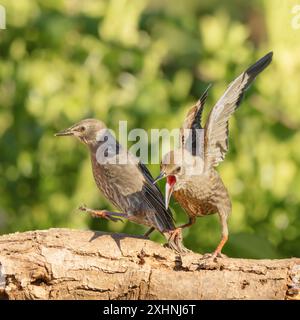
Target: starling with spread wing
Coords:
[(190, 170)]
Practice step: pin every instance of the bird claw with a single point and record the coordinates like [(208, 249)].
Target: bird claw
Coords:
[(175, 242), (174, 247), (213, 257), (183, 249), (82, 207), (176, 234), (100, 214), (209, 257)]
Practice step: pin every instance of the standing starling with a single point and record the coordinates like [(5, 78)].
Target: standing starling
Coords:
[(123, 180), (190, 170)]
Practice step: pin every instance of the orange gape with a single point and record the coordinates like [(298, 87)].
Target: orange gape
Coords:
[(171, 180)]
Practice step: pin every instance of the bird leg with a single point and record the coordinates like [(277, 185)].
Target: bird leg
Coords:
[(217, 253), (176, 234), (147, 233), (223, 219), (192, 220), (108, 215)]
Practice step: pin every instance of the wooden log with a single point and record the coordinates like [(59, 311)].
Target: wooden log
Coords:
[(73, 264)]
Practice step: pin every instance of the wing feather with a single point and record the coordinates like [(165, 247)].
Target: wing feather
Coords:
[(216, 128), (153, 197), (189, 134)]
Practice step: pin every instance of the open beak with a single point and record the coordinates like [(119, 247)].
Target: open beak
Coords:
[(66, 132), (161, 176), (171, 181)]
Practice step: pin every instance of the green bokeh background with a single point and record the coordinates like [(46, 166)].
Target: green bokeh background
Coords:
[(147, 62)]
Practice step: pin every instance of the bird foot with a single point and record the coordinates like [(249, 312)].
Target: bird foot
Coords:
[(184, 250), (175, 242), (177, 247), (213, 257), (101, 214), (175, 235)]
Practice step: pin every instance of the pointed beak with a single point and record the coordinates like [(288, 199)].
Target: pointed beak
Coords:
[(161, 176), (171, 181), (66, 132)]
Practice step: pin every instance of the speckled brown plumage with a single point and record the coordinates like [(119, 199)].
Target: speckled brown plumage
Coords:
[(123, 180), (190, 170), (202, 195)]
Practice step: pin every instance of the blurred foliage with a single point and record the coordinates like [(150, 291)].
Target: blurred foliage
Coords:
[(147, 61)]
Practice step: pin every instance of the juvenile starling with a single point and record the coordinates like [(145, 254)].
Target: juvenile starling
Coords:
[(190, 170), (123, 180)]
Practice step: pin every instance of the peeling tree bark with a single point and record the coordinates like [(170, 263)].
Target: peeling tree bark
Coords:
[(70, 264)]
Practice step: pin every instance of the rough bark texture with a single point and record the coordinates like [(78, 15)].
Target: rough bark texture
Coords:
[(72, 264)]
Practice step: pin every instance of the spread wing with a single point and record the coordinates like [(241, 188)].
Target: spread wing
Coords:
[(154, 198), (216, 128), (191, 130)]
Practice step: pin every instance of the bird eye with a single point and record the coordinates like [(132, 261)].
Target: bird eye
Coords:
[(82, 128), (177, 169)]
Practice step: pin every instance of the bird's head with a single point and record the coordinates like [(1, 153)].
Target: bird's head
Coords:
[(86, 131), (170, 168)]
